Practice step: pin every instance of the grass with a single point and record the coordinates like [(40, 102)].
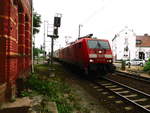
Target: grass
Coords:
[(54, 89)]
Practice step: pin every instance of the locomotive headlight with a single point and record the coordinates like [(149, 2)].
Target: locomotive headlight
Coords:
[(109, 61), (91, 60), (92, 55), (100, 51)]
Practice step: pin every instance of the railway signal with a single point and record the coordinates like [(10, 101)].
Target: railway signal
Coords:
[(57, 23)]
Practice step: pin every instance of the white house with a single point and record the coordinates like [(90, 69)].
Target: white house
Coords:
[(126, 45)]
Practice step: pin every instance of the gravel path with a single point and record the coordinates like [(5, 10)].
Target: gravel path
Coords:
[(87, 100)]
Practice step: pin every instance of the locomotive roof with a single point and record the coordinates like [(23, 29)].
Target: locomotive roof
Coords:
[(86, 38), (89, 37), (81, 39)]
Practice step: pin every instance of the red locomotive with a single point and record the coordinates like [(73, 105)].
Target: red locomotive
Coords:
[(90, 54)]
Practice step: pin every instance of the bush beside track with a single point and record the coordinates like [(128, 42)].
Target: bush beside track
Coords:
[(53, 89)]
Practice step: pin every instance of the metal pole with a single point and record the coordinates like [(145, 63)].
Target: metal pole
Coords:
[(55, 35), (52, 44), (44, 38), (44, 43), (32, 38), (129, 59), (79, 32)]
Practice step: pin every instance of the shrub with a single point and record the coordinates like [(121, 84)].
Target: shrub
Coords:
[(147, 66), (54, 90)]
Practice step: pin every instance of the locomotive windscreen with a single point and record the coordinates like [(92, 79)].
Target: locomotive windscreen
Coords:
[(98, 44)]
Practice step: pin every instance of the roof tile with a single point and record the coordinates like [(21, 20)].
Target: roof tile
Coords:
[(145, 41)]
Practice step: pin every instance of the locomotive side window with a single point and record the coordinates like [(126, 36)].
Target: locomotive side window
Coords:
[(97, 44), (80, 45)]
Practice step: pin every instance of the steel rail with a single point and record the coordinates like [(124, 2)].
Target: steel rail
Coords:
[(133, 76), (126, 98)]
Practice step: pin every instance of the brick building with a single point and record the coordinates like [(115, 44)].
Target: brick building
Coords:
[(15, 44)]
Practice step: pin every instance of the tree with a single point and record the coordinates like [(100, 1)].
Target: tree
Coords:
[(36, 22), (147, 66), (36, 25), (37, 51)]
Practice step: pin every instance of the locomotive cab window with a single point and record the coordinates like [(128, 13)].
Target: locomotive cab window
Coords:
[(98, 44)]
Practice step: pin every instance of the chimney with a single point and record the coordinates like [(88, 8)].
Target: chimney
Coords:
[(145, 34)]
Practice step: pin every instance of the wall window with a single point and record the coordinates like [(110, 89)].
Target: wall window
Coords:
[(148, 54), (138, 42), (141, 55)]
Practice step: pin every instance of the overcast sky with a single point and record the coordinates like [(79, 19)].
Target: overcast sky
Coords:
[(103, 18)]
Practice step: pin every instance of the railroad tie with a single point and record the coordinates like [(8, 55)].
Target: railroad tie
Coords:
[(116, 89), (128, 108), (119, 102), (106, 84), (147, 106), (123, 92), (91, 84), (127, 96), (104, 93), (140, 100), (111, 86), (99, 89), (95, 87), (111, 97)]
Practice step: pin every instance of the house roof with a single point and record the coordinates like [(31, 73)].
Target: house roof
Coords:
[(144, 41)]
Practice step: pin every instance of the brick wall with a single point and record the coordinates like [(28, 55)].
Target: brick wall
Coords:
[(15, 41), (2, 92)]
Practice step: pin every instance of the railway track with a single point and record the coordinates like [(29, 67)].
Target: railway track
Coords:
[(133, 76), (137, 98)]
